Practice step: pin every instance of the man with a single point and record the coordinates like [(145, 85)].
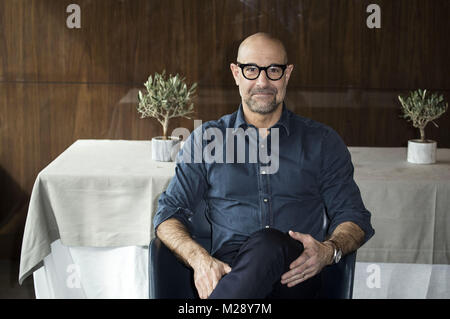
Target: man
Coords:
[(266, 228)]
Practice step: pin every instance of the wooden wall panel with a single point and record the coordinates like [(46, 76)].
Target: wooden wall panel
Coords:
[(125, 41), (325, 46), (365, 117), (119, 41), (410, 50)]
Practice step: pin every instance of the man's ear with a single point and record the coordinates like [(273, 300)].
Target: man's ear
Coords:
[(289, 70), (235, 71)]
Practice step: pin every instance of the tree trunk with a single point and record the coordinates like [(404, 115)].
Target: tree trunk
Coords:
[(165, 127), (422, 134)]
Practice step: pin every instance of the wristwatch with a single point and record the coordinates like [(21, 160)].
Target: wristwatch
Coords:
[(337, 252)]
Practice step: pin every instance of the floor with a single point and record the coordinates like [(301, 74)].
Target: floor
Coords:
[(9, 284)]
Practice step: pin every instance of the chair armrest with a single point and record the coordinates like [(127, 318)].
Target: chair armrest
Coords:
[(337, 280), (169, 278)]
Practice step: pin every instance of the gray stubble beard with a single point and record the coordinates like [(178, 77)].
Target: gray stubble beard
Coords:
[(262, 109)]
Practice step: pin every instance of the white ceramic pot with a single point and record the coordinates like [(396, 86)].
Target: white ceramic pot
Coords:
[(165, 150), (422, 152)]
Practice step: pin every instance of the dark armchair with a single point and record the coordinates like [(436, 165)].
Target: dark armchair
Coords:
[(170, 278)]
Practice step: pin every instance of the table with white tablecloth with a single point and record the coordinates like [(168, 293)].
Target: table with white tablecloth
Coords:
[(97, 194), (90, 217), (409, 255), (410, 205)]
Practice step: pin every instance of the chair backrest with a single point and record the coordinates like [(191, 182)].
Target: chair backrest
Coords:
[(337, 280)]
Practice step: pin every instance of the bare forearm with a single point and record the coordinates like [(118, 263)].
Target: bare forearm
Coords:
[(348, 237), (177, 238)]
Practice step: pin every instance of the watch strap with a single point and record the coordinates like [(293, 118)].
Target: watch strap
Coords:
[(336, 250)]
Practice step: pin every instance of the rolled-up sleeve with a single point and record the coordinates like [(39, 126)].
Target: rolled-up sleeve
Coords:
[(186, 189), (339, 190)]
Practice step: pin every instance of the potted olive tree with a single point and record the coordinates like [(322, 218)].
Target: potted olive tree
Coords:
[(421, 109), (163, 99)]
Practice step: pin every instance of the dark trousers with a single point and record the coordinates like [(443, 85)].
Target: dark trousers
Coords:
[(257, 266)]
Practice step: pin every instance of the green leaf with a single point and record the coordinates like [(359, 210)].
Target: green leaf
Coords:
[(166, 96), (420, 109)]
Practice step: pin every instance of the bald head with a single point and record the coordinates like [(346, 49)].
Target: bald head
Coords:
[(261, 43), (262, 96)]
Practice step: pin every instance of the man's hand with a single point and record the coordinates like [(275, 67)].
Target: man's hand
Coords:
[(207, 269), (207, 273), (315, 256)]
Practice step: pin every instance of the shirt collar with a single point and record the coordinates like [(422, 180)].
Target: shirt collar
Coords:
[(283, 121)]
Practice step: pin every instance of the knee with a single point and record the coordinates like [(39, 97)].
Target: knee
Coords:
[(268, 237), (269, 249), (275, 243)]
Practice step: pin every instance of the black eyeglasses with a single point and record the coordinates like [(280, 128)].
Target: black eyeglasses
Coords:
[(251, 71)]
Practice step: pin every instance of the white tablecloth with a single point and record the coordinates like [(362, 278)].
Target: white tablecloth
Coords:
[(410, 206), (401, 281), (93, 273), (100, 196), (97, 193)]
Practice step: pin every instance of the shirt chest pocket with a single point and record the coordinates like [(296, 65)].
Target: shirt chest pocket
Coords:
[(233, 180), (296, 182)]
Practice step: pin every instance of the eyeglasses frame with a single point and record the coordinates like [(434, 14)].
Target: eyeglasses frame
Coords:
[(262, 68)]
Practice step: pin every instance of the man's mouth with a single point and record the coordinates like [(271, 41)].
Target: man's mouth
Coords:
[(263, 93)]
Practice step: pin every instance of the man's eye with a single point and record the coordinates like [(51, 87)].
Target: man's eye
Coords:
[(275, 70), (251, 69)]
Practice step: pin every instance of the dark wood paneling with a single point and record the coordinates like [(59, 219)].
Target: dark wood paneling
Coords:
[(125, 41), (325, 44), (411, 50), (119, 41), (365, 117)]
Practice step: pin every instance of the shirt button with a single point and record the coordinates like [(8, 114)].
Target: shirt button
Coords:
[(265, 200), (262, 145)]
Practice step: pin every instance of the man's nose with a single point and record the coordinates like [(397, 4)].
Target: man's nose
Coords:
[(262, 79)]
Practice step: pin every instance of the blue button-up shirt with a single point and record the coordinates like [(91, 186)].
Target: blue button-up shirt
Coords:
[(311, 173)]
